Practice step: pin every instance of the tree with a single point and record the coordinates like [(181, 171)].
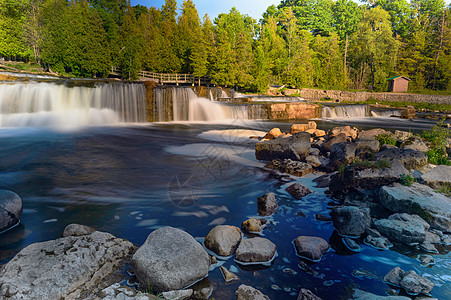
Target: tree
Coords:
[(189, 31), (327, 62), (400, 12), (168, 29), (204, 49)]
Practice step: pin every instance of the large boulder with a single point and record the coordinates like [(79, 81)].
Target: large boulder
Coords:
[(310, 247), (372, 133), (223, 240), (434, 208), (255, 250), (65, 268), (10, 209), (351, 220), (170, 259), (415, 143), (438, 177), (246, 292), (342, 154), (267, 204), (410, 281), (401, 231), (295, 128), (252, 225), (366, 148), (293, 167), (347, 130), (298, 190), (296, 147), (411, 159), (327, 146)]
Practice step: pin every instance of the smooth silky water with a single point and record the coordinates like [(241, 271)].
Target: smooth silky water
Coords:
[(132, 178)]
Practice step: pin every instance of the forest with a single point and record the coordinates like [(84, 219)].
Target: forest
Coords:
[(324, 44)]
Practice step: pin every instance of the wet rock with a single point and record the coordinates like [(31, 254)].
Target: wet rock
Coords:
[(77, 230), (295, 128), (372, 133), (305, 294), (401, 231), (327, 146), (203, 293), (177, 295), (351, 244), (322, 218), (313, 161), (434, 208), (351, 220), (414, 284), (381, 243), (342, 154), (10, 209), (394, 277), (426, 259), (300, 214), (116, 291), (289, 166), (296, 147), (170, 259), (310, 247), (223, 240), (273, 133), (65, 267), (411, 159), (438, 177), (428, 247), (228, 276), (415, 143), (373, 232), (255, 250), (251, 225), (267, 204), (362, 295), (346, 130), (432, 238), (246, 292), (298, 190)]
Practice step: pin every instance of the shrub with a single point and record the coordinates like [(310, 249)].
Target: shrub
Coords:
[(407, 179), (386, 139), (437, 138)]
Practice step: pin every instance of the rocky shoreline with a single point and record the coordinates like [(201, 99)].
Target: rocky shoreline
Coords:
[(370, 204)]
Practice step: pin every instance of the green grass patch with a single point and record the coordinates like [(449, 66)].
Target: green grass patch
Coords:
[(386, 139), (407, 179)]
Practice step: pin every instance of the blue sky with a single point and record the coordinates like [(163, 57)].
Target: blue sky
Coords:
[(253, 8)]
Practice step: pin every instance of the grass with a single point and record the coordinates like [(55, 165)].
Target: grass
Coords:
[(407, 179), (29, 67), (386, 139), (437, 138)]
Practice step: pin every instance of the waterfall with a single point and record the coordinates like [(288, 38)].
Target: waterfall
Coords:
[(59, 105), (386, 113), (345, 111)]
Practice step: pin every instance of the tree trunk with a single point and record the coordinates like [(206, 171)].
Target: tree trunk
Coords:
[(438, 52), (372, 73), (345, 64)]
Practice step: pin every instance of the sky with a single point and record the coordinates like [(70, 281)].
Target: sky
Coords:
[(253, 8)]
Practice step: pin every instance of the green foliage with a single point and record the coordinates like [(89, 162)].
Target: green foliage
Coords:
[(386, 139), (438, 138), (407, 179)]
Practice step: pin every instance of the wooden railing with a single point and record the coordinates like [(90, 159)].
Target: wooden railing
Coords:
[(163, 78)]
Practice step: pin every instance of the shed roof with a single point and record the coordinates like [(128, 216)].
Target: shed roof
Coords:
[(393, 78)]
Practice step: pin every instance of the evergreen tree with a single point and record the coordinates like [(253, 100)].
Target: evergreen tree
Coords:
[(189, 31)]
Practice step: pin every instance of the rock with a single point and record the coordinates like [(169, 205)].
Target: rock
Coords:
[(351, 244), (410, 218), (267, 204), (373, 232), (387, 146), (296, 147), (298, 190), (446, 239), (401, 231), (313, 161), (432, 238), (10, 209), (228, 276), (351, 220), (319, 133), (415, 143), (402, 135), (203, 293), (314, 152), (394, 277), (177, 295), (341, 138), (347, 130), (77, 230), (434, 208), (305, 294), (414, 284), (310, 247), (411, 159), (428, 247), (246, 292), (342, 154), (366, 148), (295, 128), (438, 177), (408, 112), (64, 268), (322, 218), (116, 291), (372, 133), (380, 243), (223, 240), (426, 259), (362, 295), (273, 133), (170, 259), (251, 225), (289, 166), (255, 250)]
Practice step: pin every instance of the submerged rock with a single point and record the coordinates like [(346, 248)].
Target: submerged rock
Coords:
[(246, 292), (296, 147), (10, 209), (255, 250), (223, 240), (310, 247), (351, 220), (170, 259), (267, 204), (298, 190), (64, 268)]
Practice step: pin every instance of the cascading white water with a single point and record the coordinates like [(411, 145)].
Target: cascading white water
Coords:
[(387, 113), (345, 111), (57, 105)]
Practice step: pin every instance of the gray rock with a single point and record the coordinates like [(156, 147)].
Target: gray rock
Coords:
[(342, 154), (434, 208), (394, 277), (314, 151), (414, 284), (402, 135), (401, 231), (426, 259), (310, 247), (289, 166), (446, 239), (366, 146), (362, 295), (10, 209), (246, 292), (255, 250), (351, 220), (64, 268), (411, 159), (415, 143), (177, 295), (228, 276), (432, 238), (298, 190), (351, 244), (381, 243), (296, 147), (305, 294), (438, 177), (267, 204), (373, 232), (77, 230), (313, 161), (372, 133), (410, 218), (118, 292), (428, 247), (203, 293), (223, 240), (170, 259), (341, 138)]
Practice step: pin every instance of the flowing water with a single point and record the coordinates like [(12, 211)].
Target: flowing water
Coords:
[(130, 179)]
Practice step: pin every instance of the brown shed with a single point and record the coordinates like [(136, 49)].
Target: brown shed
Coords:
[(398, 84)]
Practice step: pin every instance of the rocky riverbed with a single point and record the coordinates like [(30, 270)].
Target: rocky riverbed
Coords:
[(369, 207)]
